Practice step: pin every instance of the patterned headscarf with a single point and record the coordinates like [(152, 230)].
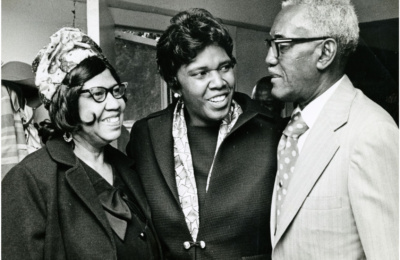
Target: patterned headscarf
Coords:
[(68, 47)]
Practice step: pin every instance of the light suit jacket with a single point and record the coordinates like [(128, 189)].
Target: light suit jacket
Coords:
[(343, 199)]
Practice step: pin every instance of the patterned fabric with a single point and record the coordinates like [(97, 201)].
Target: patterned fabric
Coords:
[(68, 47), (184, 174), (12, 137), (287, 157)]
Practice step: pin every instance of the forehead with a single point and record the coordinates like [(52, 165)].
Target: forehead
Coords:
[(292, 22), (210, 56), (104, 79)]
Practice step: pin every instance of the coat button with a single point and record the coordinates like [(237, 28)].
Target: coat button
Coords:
[(142, 236), (186, 245), (280, 184), (202, 244)]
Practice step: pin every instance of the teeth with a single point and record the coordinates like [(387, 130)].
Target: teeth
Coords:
[(112, 119), (217, 99)]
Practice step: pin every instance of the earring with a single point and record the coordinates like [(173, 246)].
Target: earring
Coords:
[(176, 95), (67, 137)]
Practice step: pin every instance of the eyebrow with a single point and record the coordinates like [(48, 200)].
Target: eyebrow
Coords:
[(224, 62), (277, 35), (103, 86)]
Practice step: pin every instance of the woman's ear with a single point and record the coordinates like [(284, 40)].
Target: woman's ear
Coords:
[(327, 54), (176, 86)]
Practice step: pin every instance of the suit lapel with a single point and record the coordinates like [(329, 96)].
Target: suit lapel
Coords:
[(160, 128), (319, 149)]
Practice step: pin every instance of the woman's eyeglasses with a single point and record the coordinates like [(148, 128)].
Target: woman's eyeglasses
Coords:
[(99, 94), (274, 43)]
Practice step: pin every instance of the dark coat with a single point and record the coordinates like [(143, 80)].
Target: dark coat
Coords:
[(50, 209), (234, 221)]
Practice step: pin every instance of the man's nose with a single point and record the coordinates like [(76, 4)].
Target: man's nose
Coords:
[(271, 59)]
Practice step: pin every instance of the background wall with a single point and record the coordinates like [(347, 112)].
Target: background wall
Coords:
[(27, 25)]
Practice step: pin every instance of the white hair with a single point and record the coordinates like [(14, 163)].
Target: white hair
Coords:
[(333, 18)]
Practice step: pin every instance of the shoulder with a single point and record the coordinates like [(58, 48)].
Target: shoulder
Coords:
[(250, 106), (162, 113), (160, 117), (35, 171), (365, 112), (37, 161)]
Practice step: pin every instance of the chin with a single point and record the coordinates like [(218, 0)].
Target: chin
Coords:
[(112, 136), (280, 94), (218, 116)]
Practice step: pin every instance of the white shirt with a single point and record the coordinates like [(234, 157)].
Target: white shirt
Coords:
[(311, 112)]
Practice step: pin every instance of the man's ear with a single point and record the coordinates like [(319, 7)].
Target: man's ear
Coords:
[(328, 53)]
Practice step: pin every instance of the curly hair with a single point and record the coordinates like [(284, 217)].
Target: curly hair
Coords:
[(63, 112), (190, 32), (333, 18)]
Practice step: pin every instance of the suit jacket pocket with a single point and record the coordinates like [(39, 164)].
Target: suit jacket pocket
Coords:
[(257, 257), (322, 203)]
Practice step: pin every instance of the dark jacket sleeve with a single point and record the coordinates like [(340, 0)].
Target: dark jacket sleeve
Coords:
[(23, 218)]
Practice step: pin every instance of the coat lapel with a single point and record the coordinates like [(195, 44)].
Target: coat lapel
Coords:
[(160, 128), (319, 149), (82, 186), (249, 110), (124, 166), (78, 180)]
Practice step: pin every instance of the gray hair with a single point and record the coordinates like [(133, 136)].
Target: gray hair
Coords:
[(333, 18)]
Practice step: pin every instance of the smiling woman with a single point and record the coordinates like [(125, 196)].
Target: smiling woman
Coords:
[(80, 198), (207, 162)]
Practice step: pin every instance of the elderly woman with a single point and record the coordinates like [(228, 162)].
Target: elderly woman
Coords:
[(207, 162), (77, 198)]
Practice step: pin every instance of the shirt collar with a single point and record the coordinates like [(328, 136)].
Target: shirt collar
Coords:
[(311, 112)]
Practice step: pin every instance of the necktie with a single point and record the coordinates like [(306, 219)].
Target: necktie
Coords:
[(287, 157)]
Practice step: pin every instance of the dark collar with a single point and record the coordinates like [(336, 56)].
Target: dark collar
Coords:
[(61, 152), (249, 105)]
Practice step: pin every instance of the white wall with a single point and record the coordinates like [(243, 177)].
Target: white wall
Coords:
[(375, 10), (26, 25), (255, 12), (251, 52)]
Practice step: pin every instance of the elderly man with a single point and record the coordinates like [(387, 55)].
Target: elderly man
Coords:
[(336, 189)]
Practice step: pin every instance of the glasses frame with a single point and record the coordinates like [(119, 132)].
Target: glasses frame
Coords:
[(108, 90), (274, 43)]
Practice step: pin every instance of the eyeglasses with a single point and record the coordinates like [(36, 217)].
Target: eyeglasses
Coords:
[(274, 43), (99, 94)]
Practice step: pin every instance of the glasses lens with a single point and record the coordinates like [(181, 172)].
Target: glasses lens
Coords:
[(98, 93), (274, 49), (118, 91), (272, 44)]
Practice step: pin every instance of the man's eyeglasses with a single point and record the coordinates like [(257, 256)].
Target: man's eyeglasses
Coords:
[(99, 94), (275, 43)]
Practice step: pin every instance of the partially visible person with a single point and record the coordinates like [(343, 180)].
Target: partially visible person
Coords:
[(262, 93), (78, 197), (207, 162), (19, 101), (336, 192)]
